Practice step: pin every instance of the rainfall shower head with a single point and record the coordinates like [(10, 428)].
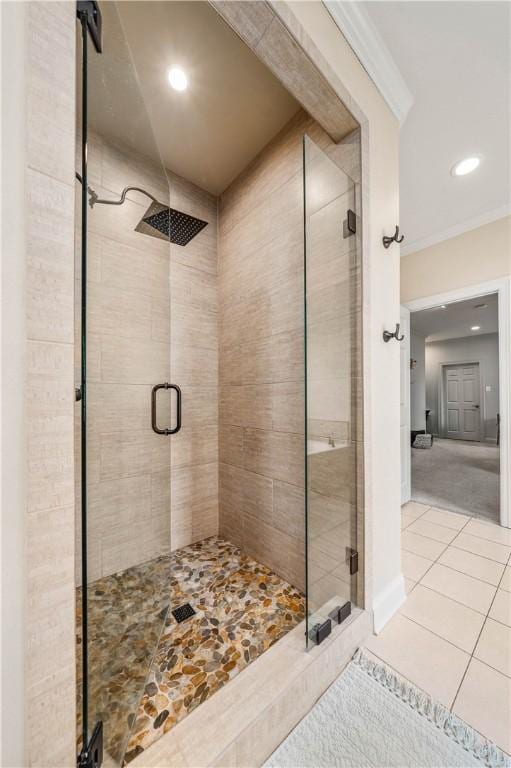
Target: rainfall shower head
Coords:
[(168, 224), (159, 220)]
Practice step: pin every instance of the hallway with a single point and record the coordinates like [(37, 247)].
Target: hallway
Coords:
[(452, 637)]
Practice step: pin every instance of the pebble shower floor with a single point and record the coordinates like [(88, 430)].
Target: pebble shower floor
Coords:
[(144, 679)]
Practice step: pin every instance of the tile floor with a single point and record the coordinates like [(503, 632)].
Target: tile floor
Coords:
[(146, 671), (452, 637)]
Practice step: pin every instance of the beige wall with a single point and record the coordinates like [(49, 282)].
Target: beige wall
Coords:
[(194, 366), (49, 387), (12, 409), (261, 357), (152, 318), (474, 257), (261, 279)]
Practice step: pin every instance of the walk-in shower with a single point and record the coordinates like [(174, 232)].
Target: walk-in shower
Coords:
[(219, 426)]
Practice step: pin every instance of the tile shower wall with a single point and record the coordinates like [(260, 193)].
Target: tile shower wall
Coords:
[(152, 318), (261, 440), (49, 521), (194, 366)]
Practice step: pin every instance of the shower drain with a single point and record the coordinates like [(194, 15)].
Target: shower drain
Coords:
[(183, 612)]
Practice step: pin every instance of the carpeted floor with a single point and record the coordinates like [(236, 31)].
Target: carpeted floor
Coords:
[(458, 475), (371, 716)]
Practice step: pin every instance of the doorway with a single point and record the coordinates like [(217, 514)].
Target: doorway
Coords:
[(456, 362)]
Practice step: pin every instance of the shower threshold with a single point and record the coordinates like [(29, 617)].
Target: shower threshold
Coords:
[(145, 678)]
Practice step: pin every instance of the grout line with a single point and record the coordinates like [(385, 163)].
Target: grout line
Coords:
[(448, 597), (478, 639), (427, 629), (486, 616), (469, 552), (463, 573)]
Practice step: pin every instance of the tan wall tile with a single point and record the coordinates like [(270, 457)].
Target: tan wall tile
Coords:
[(261, 321), (49, 527), (275, 454), (50, 269)]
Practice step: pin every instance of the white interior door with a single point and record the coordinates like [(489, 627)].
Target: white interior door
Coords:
[(406, 471), (462, 414)]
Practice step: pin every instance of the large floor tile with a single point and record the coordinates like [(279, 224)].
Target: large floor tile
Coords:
[(482, 547), (501, 608), (414, 509), (444, 517), (458, 586), (433, 664), (407, 520), (484, 701), (421, 545), (409, 585), (433, 531), (473, 565), (494, 646), (414, 566), (489, 531), (506, 580), (445, 617)]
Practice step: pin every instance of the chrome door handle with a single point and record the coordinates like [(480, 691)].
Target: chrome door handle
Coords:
[(154, 424)]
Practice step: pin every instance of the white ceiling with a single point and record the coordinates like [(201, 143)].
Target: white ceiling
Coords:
[(456, 319), (455, 59), (209, 133)]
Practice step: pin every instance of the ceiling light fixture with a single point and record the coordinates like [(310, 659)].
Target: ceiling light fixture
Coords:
[(469, 164), (178, 79), (443, 306), (475, 328)]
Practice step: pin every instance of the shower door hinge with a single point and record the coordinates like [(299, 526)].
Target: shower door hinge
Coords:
[(353, 561), (320, 631), (92, 755), (90, 9), (349, 226)]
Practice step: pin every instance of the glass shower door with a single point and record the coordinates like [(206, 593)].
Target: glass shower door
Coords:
[(123, 352), (332, 379)]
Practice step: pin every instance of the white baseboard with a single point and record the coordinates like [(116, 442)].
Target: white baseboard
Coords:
[(388, 602)]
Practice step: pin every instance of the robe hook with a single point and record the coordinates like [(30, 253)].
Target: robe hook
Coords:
[(387, 335), (394, 239)]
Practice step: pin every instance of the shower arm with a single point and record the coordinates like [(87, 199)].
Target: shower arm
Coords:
[(95, 199)]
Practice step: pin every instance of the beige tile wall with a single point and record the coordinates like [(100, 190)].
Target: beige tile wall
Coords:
[(49, 529), (262, 351), (152, 318), (194, 366)]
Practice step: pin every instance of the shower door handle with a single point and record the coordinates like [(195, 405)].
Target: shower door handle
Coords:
[(154, 424)]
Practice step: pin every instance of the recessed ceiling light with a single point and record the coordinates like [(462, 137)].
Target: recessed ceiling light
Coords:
[(469, 164), (443, 306), (475, 328), (178, 79)]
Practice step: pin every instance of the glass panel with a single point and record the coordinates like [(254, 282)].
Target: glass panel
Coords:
[(332, 342), (125, 486)]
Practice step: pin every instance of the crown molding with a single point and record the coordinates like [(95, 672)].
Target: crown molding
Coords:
[(368, 45), (458, 229)]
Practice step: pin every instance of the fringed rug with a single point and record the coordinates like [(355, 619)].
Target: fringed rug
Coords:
[(371, 716)]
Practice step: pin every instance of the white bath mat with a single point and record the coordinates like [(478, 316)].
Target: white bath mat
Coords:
[(370, 716)]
